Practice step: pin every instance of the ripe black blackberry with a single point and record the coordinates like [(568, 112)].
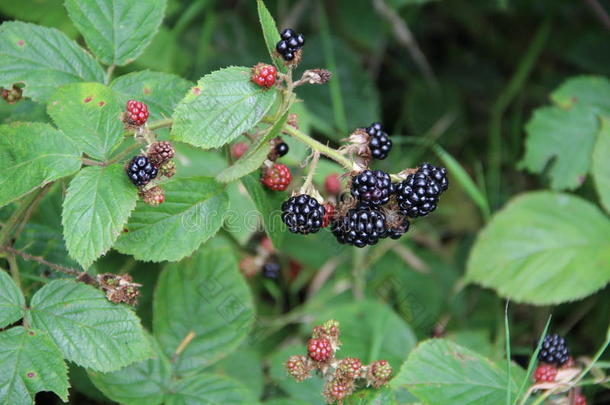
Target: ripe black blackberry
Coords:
[(140, 170), (281, 149), (372, 187), (303, 214), (361, 226), (271, 269), (379, 142), (290, 43), (554, 350), (418, 195), (396, 231)]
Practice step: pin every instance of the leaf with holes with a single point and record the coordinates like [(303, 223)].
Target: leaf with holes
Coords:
[(32, 155), (117, 31), (193, 211), (90, 330), (439, 372), (97, 206), (207, 296), (12, 302), (601, 163), (561, 137), (43, 59), (271, 34), (30, 363), (223, 105), (143, 383), (254, 157), (209, 389), (89, 114), (543, 248), (160, 91)]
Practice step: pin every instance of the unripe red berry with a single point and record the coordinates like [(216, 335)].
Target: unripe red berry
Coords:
[(332, 184), (264, 75), (337, 389), (319, 349), (276, 177), (545, 373), (379, 373), (298, 367), (330, 212), (349, 367), (239, 149), (580, 400), (137, 112)]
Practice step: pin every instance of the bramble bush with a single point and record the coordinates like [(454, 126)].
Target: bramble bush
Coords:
[(170, 242)]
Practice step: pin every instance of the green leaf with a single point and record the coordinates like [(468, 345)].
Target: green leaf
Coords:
[(32, 155), (270, 33), (543, 248), (601, 163), (254, 157), (563, 136), (223, 105), (244, 365), (209, 389), (269, 208), (439, 372), (12, 302), (193, 211), (30, 363), (48, 13), (90, 330), (371, 396), (43, 59), (97, 206), (89, 114), (117, 31), (143, 383), (160, 91), (206, 295), (371, 331)]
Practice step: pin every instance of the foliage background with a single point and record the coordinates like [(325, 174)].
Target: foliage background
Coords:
[(488, 65)]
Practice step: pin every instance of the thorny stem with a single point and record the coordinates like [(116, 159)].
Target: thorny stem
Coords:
[(62, 269)]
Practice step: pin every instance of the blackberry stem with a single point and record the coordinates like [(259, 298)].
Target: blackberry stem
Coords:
[(320, 147)]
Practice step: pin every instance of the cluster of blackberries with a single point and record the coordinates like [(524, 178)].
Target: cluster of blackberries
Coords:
[(554, 350), (379, 142), (290, 44)]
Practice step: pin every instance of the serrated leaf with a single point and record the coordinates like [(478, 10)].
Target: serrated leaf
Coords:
[(271, 34), (97, 205), (601, 163), (207, 295), (209, 389), (143, 383), (32, 155), (30, 363), (90, 330), (543, 248), (567, 137), (193, 211), (254, 157), (117, 31), (43, 59), (371, 331), (48, 13), (223, 105), (563, 136), (440, 372), (269, 208), (160, 91), (89, 114), (12, 302)]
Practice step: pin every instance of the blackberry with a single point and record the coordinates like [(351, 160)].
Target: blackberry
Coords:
[(396, 231), (140, 170), (372, 187), (271, 269), (554, 350), (290, 43), (379, 142), (281, 149), (361, 226), (438, 174), (418, 195), (303, 214)]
